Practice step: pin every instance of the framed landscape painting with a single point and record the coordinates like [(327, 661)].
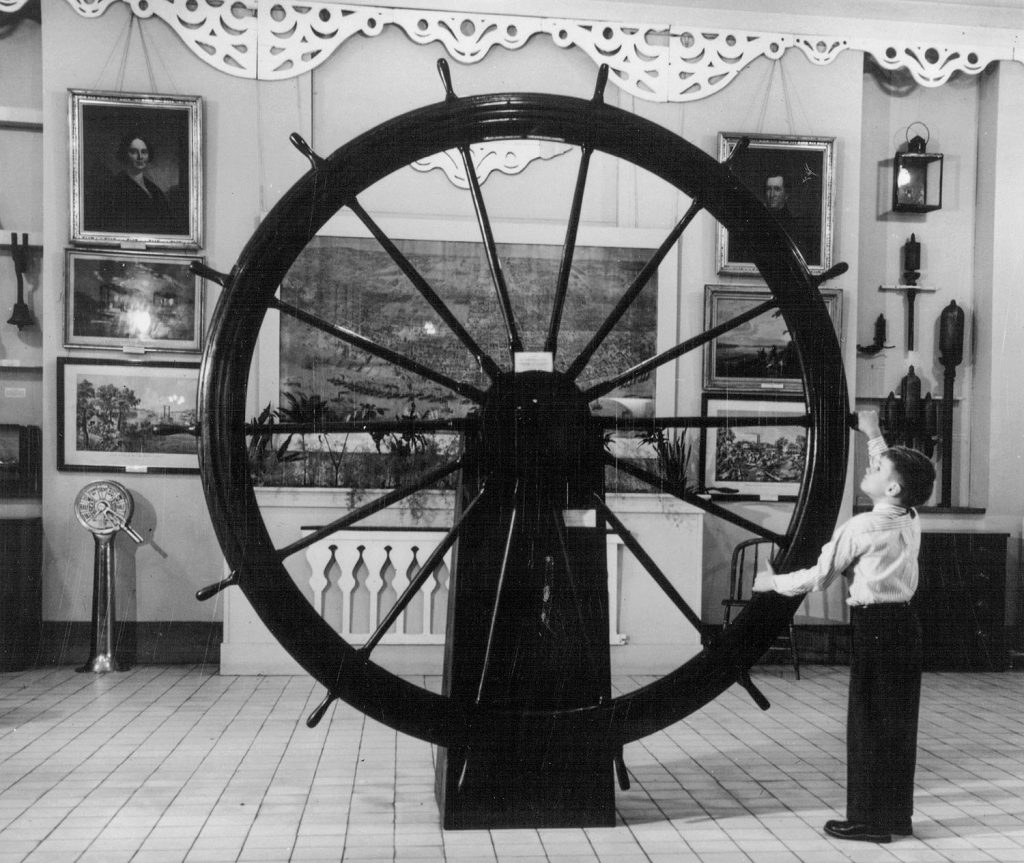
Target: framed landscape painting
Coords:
[(132, 301), (352, 279), (758, 356), (762, 461), (110, 414)]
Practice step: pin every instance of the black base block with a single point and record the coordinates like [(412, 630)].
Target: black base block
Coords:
[(526, 783)]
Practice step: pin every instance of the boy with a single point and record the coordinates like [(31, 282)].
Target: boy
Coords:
[(885, 668)]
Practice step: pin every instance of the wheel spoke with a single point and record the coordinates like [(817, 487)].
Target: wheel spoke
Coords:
[(654, 362), (497, 595), (730, 421), (708, 506), (368, 509), (648, 563), (371, 347), (515, 345), (483, 359), (633, 291), (568, 248), (425, 571), (644, 276)]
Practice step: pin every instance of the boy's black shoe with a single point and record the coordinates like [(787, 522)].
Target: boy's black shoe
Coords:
[(857, 830), (905, 828)]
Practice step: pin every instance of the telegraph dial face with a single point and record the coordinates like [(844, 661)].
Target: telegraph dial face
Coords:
[(104, 507)]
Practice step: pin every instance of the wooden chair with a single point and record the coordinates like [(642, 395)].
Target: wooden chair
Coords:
[(747, 558)]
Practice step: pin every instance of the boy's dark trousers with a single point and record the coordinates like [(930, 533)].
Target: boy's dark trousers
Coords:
[(881, 733)]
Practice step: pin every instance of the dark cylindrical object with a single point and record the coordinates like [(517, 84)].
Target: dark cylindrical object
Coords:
[(946, 440), (880, 330), (911, 296), (929, 423), (951, 335), (910, 395), (890, 420), (951, 353), (910, 392), (910, 388), (931, 416), (912, 254)]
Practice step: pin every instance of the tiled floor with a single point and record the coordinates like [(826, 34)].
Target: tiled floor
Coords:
[(181, 764)]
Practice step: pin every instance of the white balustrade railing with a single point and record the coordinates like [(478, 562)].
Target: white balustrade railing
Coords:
[(356, 576)]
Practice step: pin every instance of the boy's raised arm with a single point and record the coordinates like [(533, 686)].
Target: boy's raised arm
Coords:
[(867, 424)]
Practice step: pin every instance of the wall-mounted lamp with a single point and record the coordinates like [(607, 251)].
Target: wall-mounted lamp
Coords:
[(917, 176), (879, 343)]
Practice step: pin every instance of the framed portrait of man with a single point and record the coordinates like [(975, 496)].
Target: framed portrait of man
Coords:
[(794, 176), (136, 169)]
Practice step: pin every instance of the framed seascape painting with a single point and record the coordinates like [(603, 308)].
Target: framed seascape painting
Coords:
[(758, 356), (136, 169), (762, 461), (109, 414), (132, 301), (794, 176)]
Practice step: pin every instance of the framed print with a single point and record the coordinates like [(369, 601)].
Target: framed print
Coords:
[(108, 413), (136, 169), (345, 275), (132, 301), (764, 461), (758, 356), (794, 176)]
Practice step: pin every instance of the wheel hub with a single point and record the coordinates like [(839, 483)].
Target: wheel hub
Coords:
[(537, 429)]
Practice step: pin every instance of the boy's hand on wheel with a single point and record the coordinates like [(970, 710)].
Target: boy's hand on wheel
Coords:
[(763, 580), (867, 423)]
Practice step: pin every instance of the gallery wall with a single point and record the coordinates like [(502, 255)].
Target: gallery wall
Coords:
[(249, 164)]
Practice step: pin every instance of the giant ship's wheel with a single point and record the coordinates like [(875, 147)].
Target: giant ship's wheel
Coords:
[(530, 437)]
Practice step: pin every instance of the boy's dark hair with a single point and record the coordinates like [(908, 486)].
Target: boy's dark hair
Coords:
[(916, 473)]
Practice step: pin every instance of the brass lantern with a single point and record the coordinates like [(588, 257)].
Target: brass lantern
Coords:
[(916, 177)]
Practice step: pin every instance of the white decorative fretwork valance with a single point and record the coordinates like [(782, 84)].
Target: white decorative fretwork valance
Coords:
[(670, 62)]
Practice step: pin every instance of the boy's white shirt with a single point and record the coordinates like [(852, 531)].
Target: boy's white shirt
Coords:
[(880, 547)]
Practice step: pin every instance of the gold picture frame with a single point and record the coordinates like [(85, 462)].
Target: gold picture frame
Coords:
[(136, 169)]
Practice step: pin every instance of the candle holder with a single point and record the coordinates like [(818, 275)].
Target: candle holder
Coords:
[(910, 419), (879, 343), (911, 261), (909, 285), (21, 317)]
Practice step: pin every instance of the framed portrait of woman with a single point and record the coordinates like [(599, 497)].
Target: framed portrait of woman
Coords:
[(136, 169)]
